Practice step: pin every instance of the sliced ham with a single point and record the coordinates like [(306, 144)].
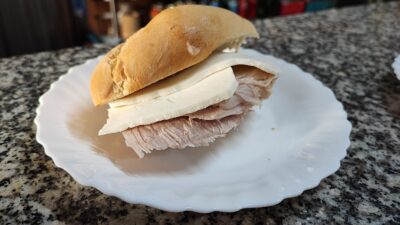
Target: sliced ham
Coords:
[(178, 133), (204, 126)]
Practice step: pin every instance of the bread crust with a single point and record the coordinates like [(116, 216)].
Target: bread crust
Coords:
[(175, 39)]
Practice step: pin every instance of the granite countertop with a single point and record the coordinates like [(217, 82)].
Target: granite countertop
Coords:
[(350, 50)]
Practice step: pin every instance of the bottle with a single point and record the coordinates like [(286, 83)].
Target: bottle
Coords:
[(242, 8), (128, 20), (232, 5), (155, 9), (251, 9)]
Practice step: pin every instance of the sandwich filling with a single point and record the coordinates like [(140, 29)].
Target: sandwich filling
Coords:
[(193, 107), (202, 127)]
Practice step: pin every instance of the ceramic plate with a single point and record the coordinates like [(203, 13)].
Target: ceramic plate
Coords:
[(297, 138), (396, 66)]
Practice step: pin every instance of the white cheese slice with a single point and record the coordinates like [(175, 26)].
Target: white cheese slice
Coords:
[(215, 88), (193, 75)]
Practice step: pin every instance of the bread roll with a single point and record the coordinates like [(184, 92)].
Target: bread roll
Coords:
[(175, 39)]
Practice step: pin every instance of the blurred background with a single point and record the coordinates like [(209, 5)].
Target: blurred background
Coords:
[(40, 25)]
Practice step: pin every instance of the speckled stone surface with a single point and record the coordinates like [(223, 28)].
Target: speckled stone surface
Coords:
[(349, 50)]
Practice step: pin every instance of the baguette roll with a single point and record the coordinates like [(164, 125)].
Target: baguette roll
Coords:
[(174, 40)]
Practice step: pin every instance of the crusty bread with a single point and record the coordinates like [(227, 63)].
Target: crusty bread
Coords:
[(175, 39)]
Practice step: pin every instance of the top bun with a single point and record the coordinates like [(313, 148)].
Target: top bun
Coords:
[(175, 39)]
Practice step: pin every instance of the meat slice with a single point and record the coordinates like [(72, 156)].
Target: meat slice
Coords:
[(233, 106), (204, 126), (178, 133)]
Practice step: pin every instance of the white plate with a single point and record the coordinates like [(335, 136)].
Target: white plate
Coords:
[(396, 66), (297, 138)]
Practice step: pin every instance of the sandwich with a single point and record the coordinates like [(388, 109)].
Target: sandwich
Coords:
[(181, 81)]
